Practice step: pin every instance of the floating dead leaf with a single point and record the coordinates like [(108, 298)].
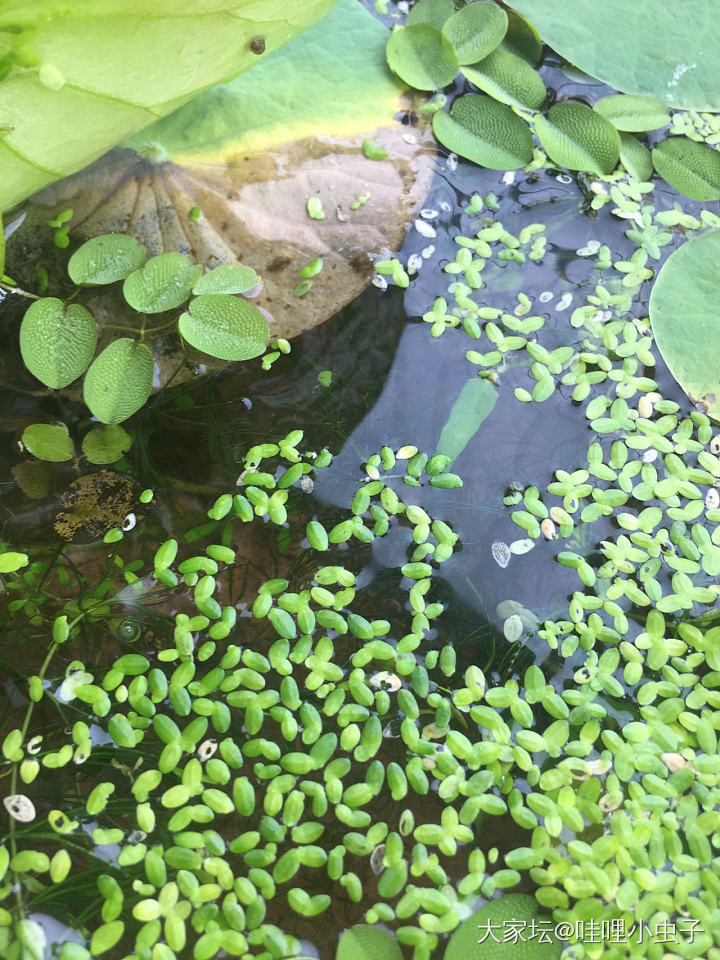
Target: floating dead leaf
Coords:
[(226, 179)]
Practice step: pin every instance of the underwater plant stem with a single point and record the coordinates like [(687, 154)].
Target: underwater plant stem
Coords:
[(20, 292)]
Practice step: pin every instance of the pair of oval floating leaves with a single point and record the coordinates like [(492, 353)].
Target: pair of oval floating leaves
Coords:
[(364, 942), (51, 442), (684, 316), (428, 52)]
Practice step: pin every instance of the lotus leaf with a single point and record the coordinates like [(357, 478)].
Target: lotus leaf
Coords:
[(684, 316)]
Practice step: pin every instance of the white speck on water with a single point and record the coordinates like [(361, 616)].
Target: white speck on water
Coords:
[(409, 138), (712, 499), (564, 302), (20, 807), (425, 229), (379, 282), (452, 162), (428, 214), (650, 455), (129, 522), (513, 628), (509, 177), (546, 296), (427, 252), (445, 206), (591, 247), (563, 178), (415, 261), (501, 553)]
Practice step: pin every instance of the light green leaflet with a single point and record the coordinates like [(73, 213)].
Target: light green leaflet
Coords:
[(162, 284), (665, 50), (106, 443), (476, 30), (683, 311), (79, 81), (635, 157)]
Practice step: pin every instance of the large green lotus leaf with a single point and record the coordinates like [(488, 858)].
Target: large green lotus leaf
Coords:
[(576, 137), (662, 49), (86, 75), (481, 936), (486, 132), (691, 168), (684, 316), (246, 156)]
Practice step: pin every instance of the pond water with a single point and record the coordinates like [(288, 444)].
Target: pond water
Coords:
[(392, 384)]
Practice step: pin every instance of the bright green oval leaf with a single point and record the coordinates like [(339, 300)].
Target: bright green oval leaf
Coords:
[(633, 113), (106, 259), (470, 410), (164, 282), (119, 381), (57, 341), (225, 327), (635, 157), (509, 79), (486, 132), (475, 30), (435, 12), (11, 561), (363, 942), (422, 56), (466, 944), (522, 39), (576, 137), (683, 311), (106, 936), (48, 441), (691, 168), (230, 278), (665, 50), (106, 443)]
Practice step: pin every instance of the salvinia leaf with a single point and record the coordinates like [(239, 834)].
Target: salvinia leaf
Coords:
[(508, 78), (691, 168), (635, 157), (435, 12), (575, 136), (225, 327), (422, 56), (119, 381), (486, 132), (48, 441), (475, 30), (162, 284), (365, 942), (57, 341), (105, 259), (230, 278)]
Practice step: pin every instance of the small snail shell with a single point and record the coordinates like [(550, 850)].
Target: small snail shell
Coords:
[(257, 45)]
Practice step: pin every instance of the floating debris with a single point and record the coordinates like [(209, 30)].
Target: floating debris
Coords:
[(501, 553), (513, 628), (425, 229), (20, 807)]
